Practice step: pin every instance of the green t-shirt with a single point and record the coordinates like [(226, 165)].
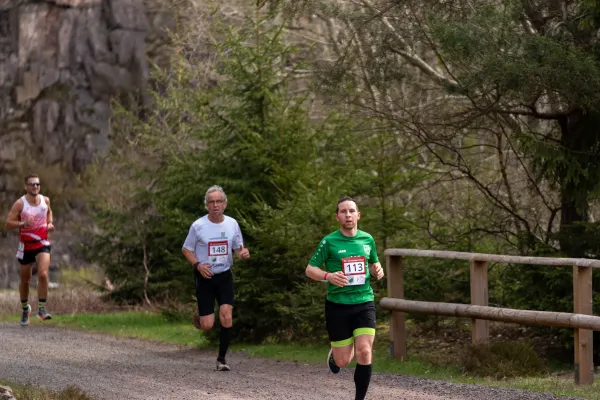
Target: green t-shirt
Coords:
[(352, 255)]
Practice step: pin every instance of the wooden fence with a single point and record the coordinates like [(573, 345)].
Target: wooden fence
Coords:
[(480, 313)]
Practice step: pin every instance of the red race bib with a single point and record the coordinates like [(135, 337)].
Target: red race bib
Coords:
[(218, 248), (355, 269)]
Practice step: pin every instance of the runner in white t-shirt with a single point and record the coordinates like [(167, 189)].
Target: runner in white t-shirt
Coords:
[(209, 247)]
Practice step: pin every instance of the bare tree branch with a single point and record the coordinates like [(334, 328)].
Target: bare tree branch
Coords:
[(408, 53)]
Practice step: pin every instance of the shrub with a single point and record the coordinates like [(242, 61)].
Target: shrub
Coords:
[(501, 360)]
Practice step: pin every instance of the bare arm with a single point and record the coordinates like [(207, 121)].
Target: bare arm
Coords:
[(376, 270), (190, 256), (12, 220), (204, 269), (317, 274), (49, 216)]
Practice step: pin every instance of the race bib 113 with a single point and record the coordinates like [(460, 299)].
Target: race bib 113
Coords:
[(355, 269)]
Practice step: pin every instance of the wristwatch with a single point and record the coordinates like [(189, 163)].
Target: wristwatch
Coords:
[(196, 264)]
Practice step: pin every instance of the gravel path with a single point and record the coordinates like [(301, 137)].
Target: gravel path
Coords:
[(116, 368)]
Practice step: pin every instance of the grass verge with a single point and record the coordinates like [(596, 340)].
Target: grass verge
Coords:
[(22, 392), (136, 324)]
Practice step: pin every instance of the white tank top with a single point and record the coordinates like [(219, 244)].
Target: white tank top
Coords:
[(36, 235)]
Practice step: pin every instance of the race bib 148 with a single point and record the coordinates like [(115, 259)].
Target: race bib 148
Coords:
[(218, 248)]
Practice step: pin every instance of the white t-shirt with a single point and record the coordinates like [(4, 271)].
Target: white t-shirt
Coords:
[(214, 243)]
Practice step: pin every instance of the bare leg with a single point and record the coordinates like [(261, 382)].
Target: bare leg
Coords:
[(364, 349), (362, 373), (43, 264), (343, 355), (225, 316), (25, 279), (207, 322)]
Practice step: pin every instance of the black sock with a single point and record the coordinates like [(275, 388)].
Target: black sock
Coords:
[(223, 342), (362, 378), (25, 304), (41, 303)]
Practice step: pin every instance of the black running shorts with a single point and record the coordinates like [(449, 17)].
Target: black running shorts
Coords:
[(29, 255), (346, 321), (219, 287)]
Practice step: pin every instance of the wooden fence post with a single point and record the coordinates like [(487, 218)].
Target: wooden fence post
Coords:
[(395, 284), (582, 304), (480, 329)]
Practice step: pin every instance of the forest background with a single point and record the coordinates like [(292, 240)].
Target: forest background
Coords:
[(461, 125)]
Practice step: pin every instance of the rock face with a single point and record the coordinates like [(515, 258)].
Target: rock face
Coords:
[(61, 63)]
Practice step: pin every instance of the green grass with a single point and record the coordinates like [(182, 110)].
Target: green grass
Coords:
[(151, 326), (143, 325), (29, 392), (317, 353)]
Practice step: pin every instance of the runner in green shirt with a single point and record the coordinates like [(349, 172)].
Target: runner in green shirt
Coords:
[(350, 258)]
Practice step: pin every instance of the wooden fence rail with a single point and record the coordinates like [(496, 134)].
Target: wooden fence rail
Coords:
[(480, 313), (545, 318)]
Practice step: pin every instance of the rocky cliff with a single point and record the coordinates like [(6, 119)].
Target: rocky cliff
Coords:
[(61, 63)]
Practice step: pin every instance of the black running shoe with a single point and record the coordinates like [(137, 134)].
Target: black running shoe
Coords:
[(331, 362)]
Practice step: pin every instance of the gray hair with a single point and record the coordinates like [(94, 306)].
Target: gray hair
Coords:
[(214, 188)]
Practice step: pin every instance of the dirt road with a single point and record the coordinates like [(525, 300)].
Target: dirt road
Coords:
[(117, 368)]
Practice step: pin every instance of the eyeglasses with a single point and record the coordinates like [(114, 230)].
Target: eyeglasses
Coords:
[(33, 184), (214, 202)]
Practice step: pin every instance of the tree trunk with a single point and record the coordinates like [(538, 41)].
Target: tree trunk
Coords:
[(578, 136)]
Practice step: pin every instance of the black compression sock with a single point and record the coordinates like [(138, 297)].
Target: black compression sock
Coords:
[(362, 378), (224, 339)]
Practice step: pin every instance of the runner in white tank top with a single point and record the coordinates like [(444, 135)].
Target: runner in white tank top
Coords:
[(209, 248), (32, 215), (35, 234)]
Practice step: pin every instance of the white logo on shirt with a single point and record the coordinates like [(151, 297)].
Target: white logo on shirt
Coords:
[(367, 249)]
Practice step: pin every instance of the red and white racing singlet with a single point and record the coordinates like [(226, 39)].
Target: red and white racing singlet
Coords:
[(35, 236)]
